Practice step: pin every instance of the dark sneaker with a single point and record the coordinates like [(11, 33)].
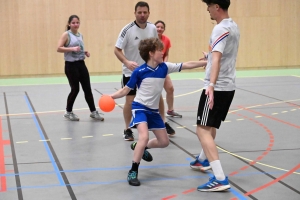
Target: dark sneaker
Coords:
[(146, 156), (128, 135), (198, 165), (214, 185), (132, 178), (71, 116), (172, 113), (95, 115), (169, 129)]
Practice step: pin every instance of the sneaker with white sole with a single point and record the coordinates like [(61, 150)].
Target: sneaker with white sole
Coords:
[(128, 135), (95, 115), (71, 116), (214, 185), (172, 113), (198, 165), (169, 129)]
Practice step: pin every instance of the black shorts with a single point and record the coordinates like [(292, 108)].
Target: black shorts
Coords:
[(124, 81), (213, 118)]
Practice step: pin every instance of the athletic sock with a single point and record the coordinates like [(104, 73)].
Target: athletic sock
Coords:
[(202, 156), (217, 169), (135, 166)]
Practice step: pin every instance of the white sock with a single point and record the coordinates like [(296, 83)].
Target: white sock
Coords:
[(202, 156), (217, 169)]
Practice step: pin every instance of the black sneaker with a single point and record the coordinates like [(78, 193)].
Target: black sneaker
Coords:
[(146, 156), (128, 135), (169, 129), (132, 178)]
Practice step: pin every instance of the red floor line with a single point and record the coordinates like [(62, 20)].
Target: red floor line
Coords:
[(189, 191), (274, 181), (2, 161), (169, 197), (273, 118)]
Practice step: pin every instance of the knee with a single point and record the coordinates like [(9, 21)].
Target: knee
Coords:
[(143, 140), (170, 89), (165, 143)]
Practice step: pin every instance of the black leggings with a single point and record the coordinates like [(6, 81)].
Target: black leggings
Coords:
[(76, 73)]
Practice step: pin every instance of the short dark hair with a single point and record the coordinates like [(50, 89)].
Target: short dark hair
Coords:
[(149, 45), (159, 21), (224, 4), (141, 4)]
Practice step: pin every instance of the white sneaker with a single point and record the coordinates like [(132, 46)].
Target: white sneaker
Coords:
[(71, 116), (95, 115)]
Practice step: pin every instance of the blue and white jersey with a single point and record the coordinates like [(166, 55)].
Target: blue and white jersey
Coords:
[(150, 82)]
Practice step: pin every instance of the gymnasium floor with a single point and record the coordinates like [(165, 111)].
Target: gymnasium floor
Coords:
[(43, 156)]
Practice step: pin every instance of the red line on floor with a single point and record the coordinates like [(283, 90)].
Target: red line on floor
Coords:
[(169, 197), (189, 191), (267, 116), (274, 181), (264, 153), (2, 161)]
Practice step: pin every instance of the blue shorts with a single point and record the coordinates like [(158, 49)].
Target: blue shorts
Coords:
[(153, 119)]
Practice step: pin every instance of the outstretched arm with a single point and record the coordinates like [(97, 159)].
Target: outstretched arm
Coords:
[(193, 64), (120, 93)]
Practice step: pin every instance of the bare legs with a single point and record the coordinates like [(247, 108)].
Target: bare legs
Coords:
[(160, 141), (206, 136), (169, 88), (127, 110)]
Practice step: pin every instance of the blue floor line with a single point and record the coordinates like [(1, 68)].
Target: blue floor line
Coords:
[(45, 143)]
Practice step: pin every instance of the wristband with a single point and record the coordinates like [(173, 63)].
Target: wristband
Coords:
[(212, 85)]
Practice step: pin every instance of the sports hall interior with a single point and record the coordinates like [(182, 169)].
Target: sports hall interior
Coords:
[(29, 62)]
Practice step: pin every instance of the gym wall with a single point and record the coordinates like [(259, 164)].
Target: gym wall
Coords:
[(30, 30)]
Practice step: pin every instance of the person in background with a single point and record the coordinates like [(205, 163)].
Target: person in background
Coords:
[(126, 50), (168, 85), (71, 44)]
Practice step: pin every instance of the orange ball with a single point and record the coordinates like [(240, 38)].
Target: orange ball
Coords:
[(106, 103)]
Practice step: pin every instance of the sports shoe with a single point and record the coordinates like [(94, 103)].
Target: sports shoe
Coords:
[(198, 165), (172, 113), (169, 129), (71, 116), (214, 185), (128, 135), (132, 178), (95, 115), (146, 156)]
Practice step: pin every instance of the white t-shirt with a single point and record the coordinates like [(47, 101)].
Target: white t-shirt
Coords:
[(150, 82), (129, 39), (224, 39)]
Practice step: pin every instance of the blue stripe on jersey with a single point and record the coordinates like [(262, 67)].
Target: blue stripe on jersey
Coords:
[(144, 71), (219, 41)]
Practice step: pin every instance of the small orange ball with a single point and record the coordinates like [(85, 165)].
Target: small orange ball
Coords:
[(106, 103)]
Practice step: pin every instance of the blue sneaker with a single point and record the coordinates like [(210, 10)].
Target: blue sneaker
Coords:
[(198, 165), (214, 185), (132, 178), (146, 156)]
